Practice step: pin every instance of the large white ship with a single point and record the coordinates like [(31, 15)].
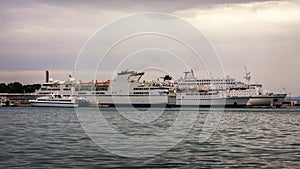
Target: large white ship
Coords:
[(50, 87), (127, 90), (233, 88), (258, 97), (191, 91)]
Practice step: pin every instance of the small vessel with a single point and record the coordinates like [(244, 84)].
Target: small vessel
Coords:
[(54, 100)]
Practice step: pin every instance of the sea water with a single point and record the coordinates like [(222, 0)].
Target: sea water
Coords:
[(54, 138)]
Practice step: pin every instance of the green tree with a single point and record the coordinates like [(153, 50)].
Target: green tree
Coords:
[(31, 88), (16, 87), (4, 88)]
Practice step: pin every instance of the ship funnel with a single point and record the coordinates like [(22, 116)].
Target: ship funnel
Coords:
[(47, 76)]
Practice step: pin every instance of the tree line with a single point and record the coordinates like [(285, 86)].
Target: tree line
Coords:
[(17, 87)]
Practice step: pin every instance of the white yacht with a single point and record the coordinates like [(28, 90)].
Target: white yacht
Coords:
[(54, 100), (127, 90)]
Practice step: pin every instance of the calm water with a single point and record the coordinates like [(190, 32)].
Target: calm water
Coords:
[(53, 138)]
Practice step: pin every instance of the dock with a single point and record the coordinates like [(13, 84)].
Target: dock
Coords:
[(16, 99)]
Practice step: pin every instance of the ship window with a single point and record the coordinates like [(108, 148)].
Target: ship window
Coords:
[(98, 92), (145, 93)]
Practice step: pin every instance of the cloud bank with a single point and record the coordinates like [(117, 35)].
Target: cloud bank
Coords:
[(263, 35)]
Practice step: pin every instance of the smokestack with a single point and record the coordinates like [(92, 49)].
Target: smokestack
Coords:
[(47, 76)]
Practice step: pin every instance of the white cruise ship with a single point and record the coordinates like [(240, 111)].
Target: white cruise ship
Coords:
[(257, 96), (206, 92), (233, 88), (127, 90)]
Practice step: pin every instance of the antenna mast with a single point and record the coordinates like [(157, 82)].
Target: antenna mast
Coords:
[(247, 75)]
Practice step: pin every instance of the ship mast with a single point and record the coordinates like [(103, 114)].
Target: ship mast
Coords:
[(247, 76)]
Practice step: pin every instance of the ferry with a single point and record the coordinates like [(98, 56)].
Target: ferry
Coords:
[(50, 87), (210, 99), (234, 89), (257, 95), (191, 91), (126, 90), (54, 100)]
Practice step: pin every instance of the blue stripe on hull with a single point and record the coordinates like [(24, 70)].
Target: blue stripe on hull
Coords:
[(51, 103), (167, 105), (216, 106), (55, 106), (162, 105)]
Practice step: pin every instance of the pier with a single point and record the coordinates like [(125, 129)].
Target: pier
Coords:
[(16, 99)]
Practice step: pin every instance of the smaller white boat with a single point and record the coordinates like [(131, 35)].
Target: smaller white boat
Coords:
[(54, 100)]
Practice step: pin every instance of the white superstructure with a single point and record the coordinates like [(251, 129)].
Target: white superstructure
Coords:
[(54, 100), (65, 88)]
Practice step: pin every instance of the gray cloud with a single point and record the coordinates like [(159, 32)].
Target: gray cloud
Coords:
[(153, 4), (129, 5), (264, 35)]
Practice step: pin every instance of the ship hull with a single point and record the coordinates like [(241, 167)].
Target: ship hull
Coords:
[(132, 100), (213, 102), (266, 100), (53, 104)]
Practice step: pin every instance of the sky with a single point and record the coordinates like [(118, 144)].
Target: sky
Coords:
[(48, 35)]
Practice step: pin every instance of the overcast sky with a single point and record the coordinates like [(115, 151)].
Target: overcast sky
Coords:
[(263, 35)]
